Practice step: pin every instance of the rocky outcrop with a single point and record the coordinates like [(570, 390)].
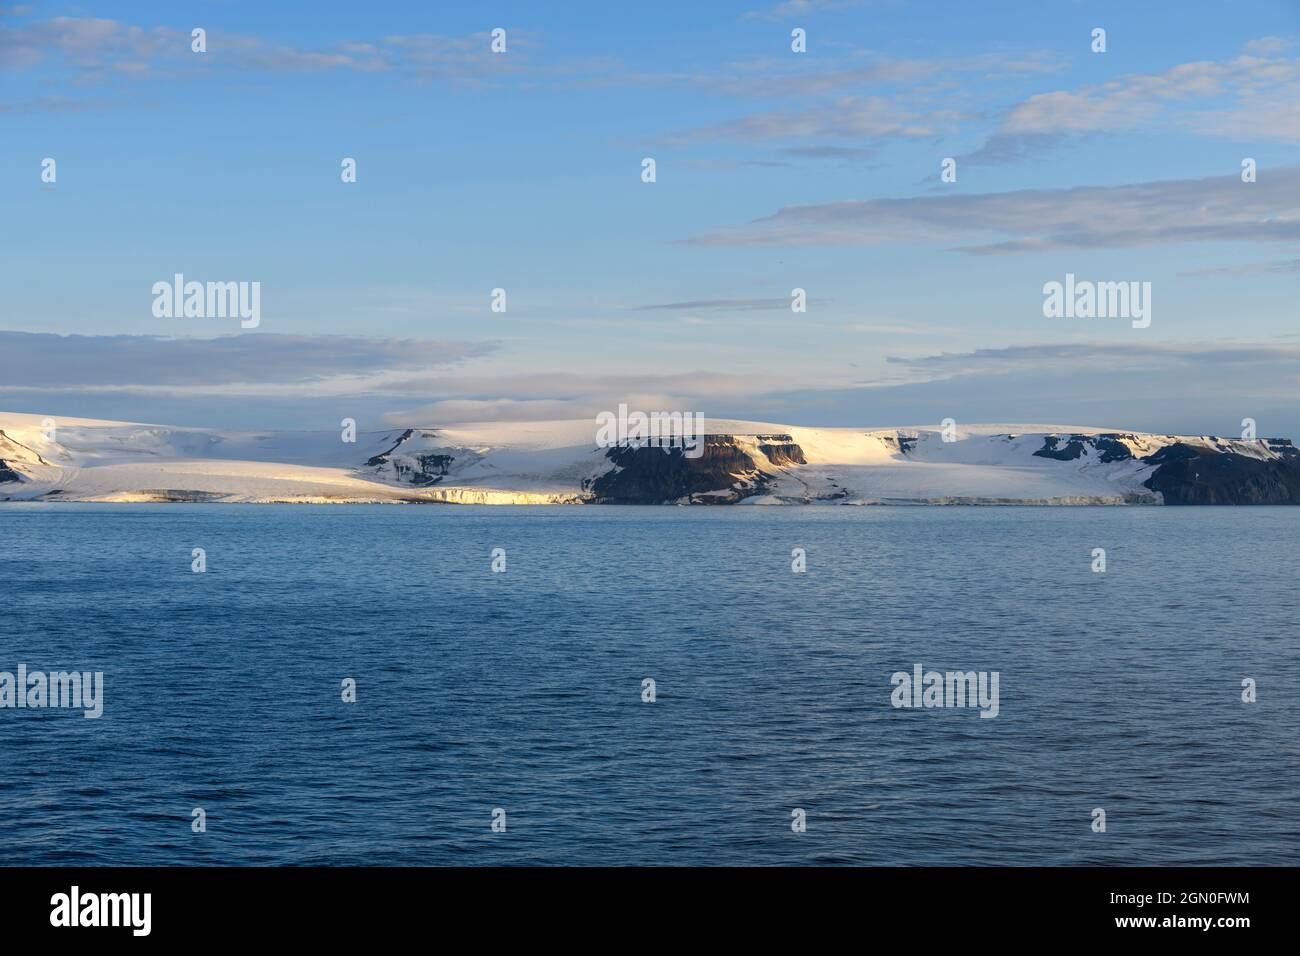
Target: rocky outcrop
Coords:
[(781, 450), (1207, 470), (14, 454), (409, 462), (1196, 474), (900, 442), (725, 473), (1109, 447)]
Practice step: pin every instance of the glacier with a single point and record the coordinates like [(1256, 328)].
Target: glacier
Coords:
[(560, 462)]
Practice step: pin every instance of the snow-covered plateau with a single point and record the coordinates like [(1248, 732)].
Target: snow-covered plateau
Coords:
[(560, 462)]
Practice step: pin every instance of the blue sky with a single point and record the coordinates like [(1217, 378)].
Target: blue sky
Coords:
[(775, 170)]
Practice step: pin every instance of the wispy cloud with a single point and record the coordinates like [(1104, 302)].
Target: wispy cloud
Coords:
[(777, 304), (317, 362), (1268, 46), (874, 99), (1253, 96), (1197, 388), (1114, 356), (572, 395), (254, 379), (101, 48), (871, 117), (1220, 208), (1275, 267)]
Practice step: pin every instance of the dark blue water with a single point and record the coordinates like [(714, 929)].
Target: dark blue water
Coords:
[(522, 690)]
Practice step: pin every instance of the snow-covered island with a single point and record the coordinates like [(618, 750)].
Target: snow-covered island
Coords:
[(560, 462)]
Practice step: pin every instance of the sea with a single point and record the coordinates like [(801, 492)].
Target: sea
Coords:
[(457, 685)]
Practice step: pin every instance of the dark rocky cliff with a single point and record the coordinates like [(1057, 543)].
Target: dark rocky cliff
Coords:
[(1208, 471), (724, 474), (1196, 475)]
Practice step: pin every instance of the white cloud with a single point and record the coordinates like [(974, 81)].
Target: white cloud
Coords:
[(97, 47), (1218, 208), (845, 118), (1253, 96), (256, 362)]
